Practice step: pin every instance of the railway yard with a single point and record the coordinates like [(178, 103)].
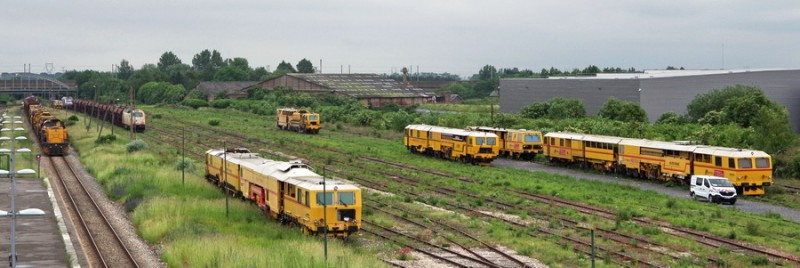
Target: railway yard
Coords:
[(422, 212)]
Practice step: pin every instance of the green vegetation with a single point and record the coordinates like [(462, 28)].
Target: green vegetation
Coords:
[(188, 221), (493, 183)]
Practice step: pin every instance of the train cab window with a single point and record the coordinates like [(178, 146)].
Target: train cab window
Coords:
[(306, 198), (622, 149), (745, 163), (532, 138), (702, 158), (138, 114), (718, 161), (731, 162), (291, 191), (313, 117), (478, 141), (299, 196), (325, 198), (346, 198), (491, 141), (762, 162)]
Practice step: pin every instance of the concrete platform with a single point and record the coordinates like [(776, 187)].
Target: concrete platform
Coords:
[(39, 239)]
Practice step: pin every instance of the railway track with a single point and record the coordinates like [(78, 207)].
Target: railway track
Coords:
[(101, 244), (244, 141), (791, 189), (702, 238), (505, 260)]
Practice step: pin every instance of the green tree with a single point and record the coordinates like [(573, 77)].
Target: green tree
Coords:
[(536, 110), (181, 74), (125, 70), (556, 108), (671, 118), (259, 74), (284, 68), (206, 63), (625, 111), (561, 108), (161, 92), (148, 73), (775, 134), (167, 59), (305, 66), (487, 72), (719, 99), (236, 69), (591, 69)]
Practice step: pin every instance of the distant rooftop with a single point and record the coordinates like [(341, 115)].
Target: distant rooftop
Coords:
[(363, 84), (665, 73)]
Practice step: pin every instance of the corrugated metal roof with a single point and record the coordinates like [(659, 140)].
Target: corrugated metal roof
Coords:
[(363, 85), (211, 87)]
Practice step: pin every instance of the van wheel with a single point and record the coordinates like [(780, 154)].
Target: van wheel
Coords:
[(733, 202), (691, 195)]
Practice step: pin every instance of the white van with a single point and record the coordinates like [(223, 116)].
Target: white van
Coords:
[(712, 188)]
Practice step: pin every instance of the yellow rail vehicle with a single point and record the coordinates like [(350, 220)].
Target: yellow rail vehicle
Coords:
[(289, 192), (516, 143), (51, 131), (474, 147), (300, 120), (598, 152), (748, 170), (666, 161)]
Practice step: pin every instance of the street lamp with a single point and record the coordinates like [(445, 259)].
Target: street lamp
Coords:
[(13, 212)]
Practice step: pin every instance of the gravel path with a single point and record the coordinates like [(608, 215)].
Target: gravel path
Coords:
[(741, 204)]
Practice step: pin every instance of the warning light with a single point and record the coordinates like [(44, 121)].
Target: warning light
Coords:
[(38, 157)]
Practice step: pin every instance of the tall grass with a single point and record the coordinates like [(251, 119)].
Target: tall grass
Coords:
[(189, 220), (493, 183)]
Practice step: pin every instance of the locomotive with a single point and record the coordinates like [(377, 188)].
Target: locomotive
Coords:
[(474, 147), (300, 120), (750, 171), (51, 131), (516, 143), (118, 115), (289, 192)]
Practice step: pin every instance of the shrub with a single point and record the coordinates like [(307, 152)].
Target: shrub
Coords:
[(221, 104), (213, 122), (105, 139), (753, 229), (194, 103), (73, 118), (136, 145), (185, 165)]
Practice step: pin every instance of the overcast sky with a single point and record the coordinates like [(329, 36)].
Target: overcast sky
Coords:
[(375, 36)]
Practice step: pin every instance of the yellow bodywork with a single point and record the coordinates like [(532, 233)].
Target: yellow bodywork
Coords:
[(300, 120), (455, 144), (291, 200)]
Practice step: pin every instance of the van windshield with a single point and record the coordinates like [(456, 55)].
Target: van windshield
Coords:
[(720, 183)]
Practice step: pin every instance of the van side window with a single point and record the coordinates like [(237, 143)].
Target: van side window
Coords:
[(718, 161), (705, 182), (699, 182)]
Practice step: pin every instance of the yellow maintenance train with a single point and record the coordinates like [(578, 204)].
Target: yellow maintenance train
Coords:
[(476, 147), (516, 143), (289, 192), (750, 171)]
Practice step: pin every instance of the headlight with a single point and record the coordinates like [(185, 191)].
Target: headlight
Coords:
[(347, 219)]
